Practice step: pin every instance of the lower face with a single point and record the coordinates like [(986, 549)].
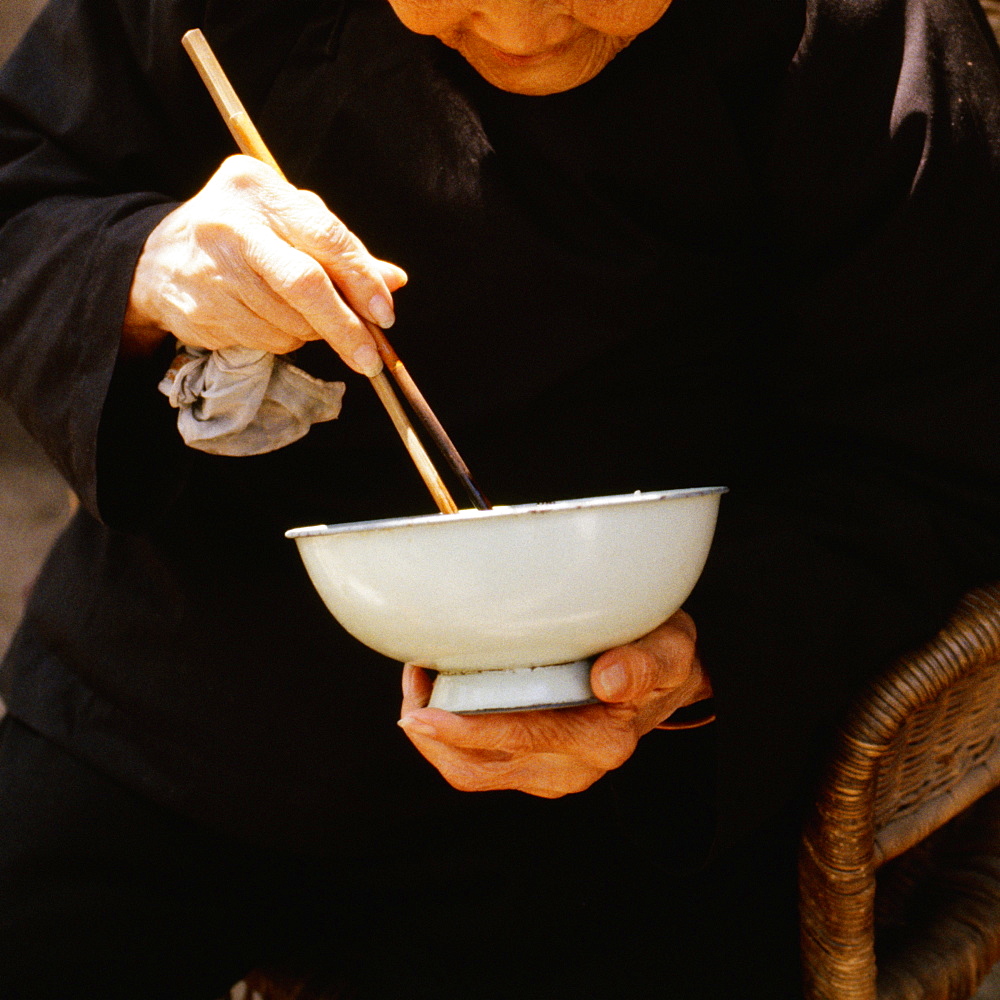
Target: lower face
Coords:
[(533, 47)]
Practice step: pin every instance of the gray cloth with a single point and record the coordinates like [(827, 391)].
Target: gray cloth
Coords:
[(239, 401)]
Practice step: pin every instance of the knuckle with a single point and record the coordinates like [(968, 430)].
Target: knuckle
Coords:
[(284, 344), (650, 682), (678, 646), (219, 248), (240, 172), (190, 308), (194, 313), (337, 239), (210, 233), (306, 283), (312, 199), (344, 253), (684, 623), (571, 783), (586, 777), (547, 793), (607, 758), (314, 228), (641, 672)]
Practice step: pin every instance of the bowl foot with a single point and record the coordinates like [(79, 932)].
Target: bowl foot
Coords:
[(519, 689)]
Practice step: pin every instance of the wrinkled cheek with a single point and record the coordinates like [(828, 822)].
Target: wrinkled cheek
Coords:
[(619, 18), (601, 51)]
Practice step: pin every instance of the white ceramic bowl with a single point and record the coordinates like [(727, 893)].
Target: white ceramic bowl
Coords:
[(509, 604)]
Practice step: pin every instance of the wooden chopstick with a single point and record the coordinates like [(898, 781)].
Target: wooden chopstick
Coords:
[(226, 100), (427, 416), (250, 142)]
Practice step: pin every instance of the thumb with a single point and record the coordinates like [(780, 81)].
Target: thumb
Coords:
[(627, 673)]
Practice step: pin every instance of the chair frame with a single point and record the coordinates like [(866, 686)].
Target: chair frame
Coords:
[(919, 748)]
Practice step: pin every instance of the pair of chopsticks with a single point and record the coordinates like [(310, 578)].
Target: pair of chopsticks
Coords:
[(249, 141)]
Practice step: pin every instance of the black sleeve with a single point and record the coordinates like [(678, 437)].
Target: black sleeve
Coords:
[(83, 149)]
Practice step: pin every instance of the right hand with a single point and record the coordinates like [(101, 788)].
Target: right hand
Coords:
[(252, 261)]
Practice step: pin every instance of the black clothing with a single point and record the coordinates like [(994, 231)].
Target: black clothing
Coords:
[(758, 250), (107, 896)]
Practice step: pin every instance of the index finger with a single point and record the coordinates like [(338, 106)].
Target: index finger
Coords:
[(299, 280), (302, 218)]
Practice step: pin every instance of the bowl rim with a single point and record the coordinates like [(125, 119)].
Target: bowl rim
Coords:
[(514, 510)]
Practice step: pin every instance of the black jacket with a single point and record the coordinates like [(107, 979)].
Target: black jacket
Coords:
[(758, 250)]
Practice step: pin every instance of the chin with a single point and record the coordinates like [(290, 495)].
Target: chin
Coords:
[(532, 82), (553, 76)]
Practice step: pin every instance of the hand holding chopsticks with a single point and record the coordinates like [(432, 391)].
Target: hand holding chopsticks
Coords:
[(250, 143)]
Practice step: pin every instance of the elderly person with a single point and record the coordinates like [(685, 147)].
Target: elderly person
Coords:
[(643, 245)]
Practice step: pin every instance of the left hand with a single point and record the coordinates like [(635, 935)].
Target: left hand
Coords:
[(554, 752)]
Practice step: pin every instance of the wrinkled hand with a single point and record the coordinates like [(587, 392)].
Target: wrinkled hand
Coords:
[(252, 261), (553, 753)]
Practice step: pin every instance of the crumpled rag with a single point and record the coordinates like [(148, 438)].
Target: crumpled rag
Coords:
[(239, 401)]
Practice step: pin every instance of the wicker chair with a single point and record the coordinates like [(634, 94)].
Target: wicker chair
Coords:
[(900, 865)]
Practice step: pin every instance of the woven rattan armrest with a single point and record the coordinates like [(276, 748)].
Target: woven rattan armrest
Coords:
[(921, 744)]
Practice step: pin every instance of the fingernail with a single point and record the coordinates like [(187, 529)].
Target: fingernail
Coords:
[(381, 310), (613, 680), (367, 360), (421, 728)]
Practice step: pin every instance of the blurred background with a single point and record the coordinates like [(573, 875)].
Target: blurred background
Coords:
[(992, 8), (15, 16), (34, 501)]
